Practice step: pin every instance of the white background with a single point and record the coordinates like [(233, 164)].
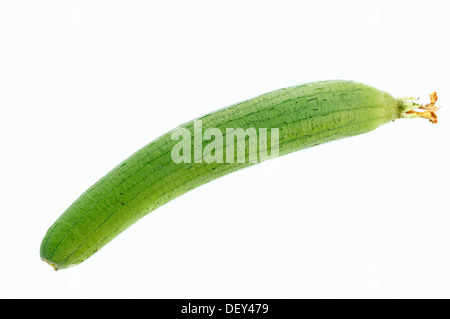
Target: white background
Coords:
[(83, 84)]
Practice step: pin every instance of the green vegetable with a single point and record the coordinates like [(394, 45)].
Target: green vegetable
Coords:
[(303, 116)]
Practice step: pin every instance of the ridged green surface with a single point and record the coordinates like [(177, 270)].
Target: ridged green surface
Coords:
[(306, 115)]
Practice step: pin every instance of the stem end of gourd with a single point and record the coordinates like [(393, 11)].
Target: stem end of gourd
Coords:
[(412, 109)]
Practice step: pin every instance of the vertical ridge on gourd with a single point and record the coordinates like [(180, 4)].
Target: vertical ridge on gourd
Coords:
[(306, 115)]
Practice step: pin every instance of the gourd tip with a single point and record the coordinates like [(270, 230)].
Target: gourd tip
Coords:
[(426, 111), (55, 267)]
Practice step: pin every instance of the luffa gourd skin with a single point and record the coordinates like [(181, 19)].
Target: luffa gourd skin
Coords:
[(304, 116)]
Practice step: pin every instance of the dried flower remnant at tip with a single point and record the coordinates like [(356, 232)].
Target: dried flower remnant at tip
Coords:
[(51, 264), (429, 110)]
